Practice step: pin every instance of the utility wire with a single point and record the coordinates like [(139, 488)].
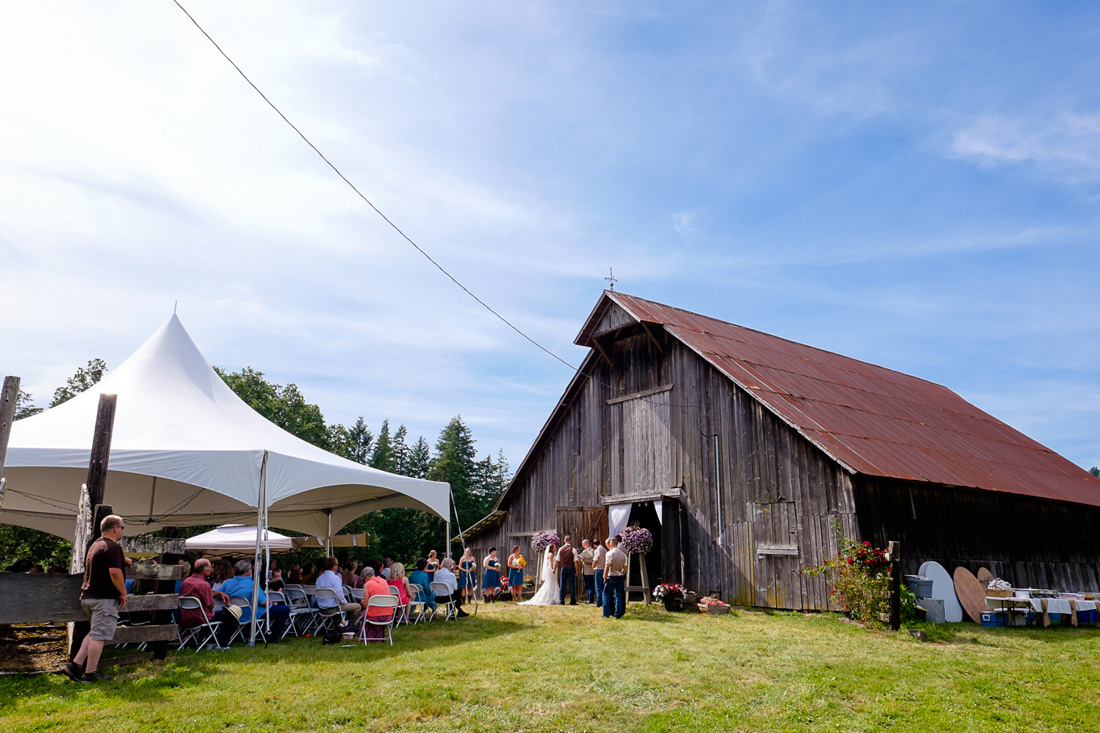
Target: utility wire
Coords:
[(359, 193), (376, 210)]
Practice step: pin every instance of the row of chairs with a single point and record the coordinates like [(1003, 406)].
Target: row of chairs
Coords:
[(306, 619)]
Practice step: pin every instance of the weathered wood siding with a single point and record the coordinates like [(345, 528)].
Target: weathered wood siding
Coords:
[(644, 424), (1029, 542)]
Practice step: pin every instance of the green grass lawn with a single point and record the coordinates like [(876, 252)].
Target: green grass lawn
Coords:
[(565, 668)]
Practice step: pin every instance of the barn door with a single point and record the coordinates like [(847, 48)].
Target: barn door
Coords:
[(674, 541), (582, 522), (776, 571), (641, 449)]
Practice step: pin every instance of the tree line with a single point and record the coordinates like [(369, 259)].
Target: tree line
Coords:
[(398, 533)]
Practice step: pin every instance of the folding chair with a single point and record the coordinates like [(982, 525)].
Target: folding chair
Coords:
[(450, 612), (402, 613), (325, 616), (244, 629), (387, 602), (302, 615), (276, 597), (202, 634), (417, 603)]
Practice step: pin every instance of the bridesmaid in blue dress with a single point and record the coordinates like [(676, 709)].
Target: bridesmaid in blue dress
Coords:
[(515, 574), (467, 574), (490, 583)]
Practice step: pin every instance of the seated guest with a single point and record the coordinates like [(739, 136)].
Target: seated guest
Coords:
[(186, 571), (197, 585), (375, 586), (359, 579), (329, 579), (386, 565), (241, 586), (276, 582), (348, 576), (420, 578), (294, 577), (446, 575), (309, 575), (398, 580)]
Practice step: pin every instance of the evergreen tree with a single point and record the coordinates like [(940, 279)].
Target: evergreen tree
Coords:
[(400, 451), (360, 442), (419, 460), (1095, 471), (382, 457)]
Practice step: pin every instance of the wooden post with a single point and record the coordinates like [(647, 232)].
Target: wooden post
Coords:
[(9, 398), (895, 585), (101, 454), (96, 485)]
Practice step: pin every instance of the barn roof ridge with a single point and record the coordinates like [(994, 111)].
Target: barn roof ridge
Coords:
[(765, 334), (869, 419)]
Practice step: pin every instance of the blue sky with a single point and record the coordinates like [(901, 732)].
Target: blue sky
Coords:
[(913, 185)]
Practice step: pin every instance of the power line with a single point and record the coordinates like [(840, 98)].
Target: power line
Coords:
[(359, 193), (376, 210)]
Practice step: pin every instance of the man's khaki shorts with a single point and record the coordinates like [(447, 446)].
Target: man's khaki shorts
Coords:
[(103, 613)]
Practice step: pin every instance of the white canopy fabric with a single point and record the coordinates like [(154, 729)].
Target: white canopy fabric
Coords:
[(237, 539), (187, 451)]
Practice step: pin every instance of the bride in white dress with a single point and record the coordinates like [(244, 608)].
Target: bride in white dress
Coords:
[(547, 594)]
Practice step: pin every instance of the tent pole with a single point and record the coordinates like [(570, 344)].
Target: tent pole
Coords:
[(328, 537), (448, 552), (260, 511)]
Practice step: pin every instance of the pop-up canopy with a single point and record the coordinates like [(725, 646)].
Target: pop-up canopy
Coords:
[(187, 451), (236, 539)]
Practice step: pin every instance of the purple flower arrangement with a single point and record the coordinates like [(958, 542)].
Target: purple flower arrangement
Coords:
[(542, 540), (636, 541)]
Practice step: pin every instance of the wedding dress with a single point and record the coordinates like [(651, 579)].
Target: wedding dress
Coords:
[(547, 594)]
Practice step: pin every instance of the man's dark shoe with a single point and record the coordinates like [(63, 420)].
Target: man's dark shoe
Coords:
[(90, 677), (73, 671), (462, 613)]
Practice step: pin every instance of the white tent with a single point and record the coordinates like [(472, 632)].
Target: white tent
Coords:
[(187, 451), (237, 539)]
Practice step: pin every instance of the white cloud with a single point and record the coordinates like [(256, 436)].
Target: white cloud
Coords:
[(1065, 146)]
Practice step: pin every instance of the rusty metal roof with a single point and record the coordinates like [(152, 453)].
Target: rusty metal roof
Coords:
[(873, 420)]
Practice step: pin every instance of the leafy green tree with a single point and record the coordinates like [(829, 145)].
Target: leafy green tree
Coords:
[(19, 543), (84, 378), (24, 405), (284, 406)]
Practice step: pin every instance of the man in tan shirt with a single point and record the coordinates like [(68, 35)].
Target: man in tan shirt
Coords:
[(598, 560), (614, 591)]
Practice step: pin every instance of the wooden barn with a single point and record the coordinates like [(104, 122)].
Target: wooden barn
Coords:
[(739, 450)]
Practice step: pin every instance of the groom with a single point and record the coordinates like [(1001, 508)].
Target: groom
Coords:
[(566, 561)]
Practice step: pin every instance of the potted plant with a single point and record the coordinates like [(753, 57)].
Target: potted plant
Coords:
[(713, 605), (672, 594)]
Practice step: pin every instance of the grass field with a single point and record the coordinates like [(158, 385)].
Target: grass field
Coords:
[(565, 668)]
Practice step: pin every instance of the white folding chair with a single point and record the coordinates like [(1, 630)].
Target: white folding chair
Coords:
[(301, 613), (201, 634), (390, 603), (277, 597), (417, 603), (402, 610), (450, 612), (244, 628), (326, 616)]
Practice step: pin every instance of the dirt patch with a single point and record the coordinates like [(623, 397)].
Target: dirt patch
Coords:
[(32, 648)]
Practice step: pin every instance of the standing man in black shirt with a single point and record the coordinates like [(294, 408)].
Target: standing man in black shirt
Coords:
[(102, 596)]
